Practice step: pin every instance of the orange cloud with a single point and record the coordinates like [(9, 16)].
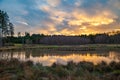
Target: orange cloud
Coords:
[(104, 18), (78, 21)]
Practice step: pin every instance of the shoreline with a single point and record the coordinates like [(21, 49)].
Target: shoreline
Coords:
[(89, 47)]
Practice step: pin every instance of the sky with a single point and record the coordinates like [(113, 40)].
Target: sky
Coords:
[(63, 17)]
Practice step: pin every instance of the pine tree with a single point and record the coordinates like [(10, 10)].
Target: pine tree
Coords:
[(11, 29), (5, 26)]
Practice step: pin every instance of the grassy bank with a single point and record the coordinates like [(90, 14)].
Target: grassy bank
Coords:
[(89, 47), (16, 70)]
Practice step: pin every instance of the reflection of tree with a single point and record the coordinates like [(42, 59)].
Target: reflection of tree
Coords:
[(50, 56), (37, 52), (12, 54), (5, 55), (27, 54)]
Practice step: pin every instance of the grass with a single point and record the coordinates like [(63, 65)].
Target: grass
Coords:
[(15, 70), (87, 47)]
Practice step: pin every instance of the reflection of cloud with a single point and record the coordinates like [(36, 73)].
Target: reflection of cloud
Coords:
[(64, 16), (48, 60)]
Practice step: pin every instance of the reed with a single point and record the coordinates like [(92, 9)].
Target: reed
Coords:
[(17, 70)]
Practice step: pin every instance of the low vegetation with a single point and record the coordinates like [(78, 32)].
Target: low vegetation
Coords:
[(89, 47), (17, 70)]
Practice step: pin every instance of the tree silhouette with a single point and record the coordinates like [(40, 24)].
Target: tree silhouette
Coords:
[(5, 26), (11, 29)]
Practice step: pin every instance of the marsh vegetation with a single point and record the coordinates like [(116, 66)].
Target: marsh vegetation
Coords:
[(36, 64), (18, 70)]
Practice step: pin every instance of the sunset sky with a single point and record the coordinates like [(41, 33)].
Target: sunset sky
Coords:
[(63, 17)]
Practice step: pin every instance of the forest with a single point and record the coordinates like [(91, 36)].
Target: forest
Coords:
[(103, 38), (7, 36)]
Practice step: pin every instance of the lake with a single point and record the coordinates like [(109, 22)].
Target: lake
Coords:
[(47, 58)]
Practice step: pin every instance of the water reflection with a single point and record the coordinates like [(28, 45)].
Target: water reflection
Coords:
[(48, 58)]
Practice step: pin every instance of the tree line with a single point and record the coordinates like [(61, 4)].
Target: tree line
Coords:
[(6, 27), (103, 38)]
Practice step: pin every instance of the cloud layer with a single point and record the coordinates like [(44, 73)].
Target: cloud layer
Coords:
[(68, 17)]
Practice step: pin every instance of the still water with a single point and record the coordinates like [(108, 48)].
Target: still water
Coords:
[(47, 58)]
